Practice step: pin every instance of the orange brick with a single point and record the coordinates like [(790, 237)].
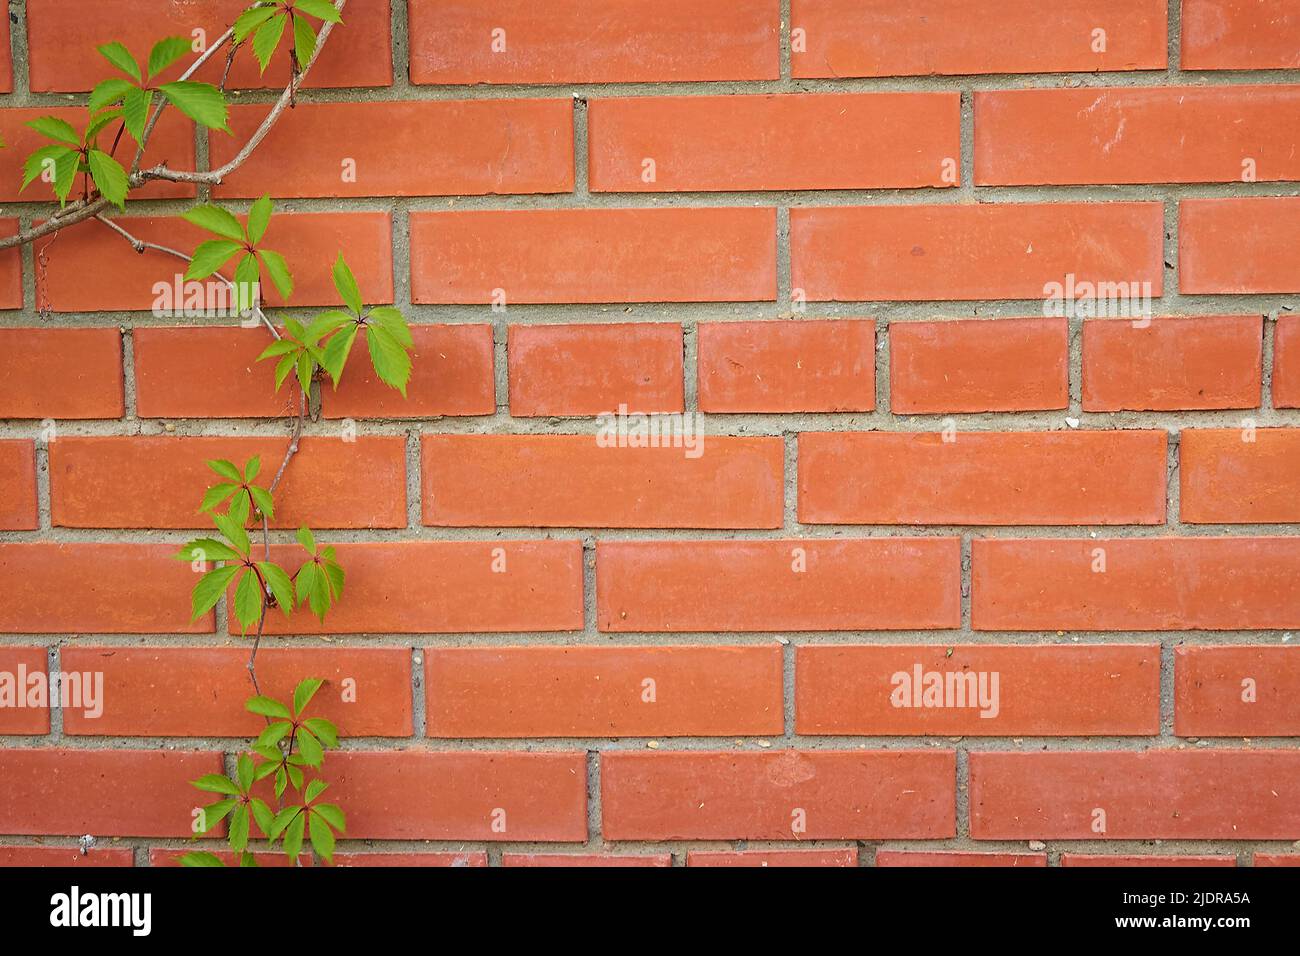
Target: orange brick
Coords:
[(676, 691), (787, 366), (1239, 35), (978, 365), (1149, 584), (775, 858), (1286, 362), (1083, 859), (1203, 361), (524, 256), (411, 859), (781, 795), (587, 41), (104, 588), (22, 713), (985, 478), (1177, 134), (1277, 859), (1048, 691), (1231, 476), (1238, 246), (585, 859), (894, 858), (18, 486), (11, 269), (1236, 691), (979, 251), (202, 372), (805, 140), (845, 585), (571, 481), (1160, 794), (62, 856), (949, 37), (403, 149), (200, 691), (159, 482), (61, 373), (593, 369)]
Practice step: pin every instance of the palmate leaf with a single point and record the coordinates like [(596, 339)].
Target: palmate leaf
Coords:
[(337, 350), (42, 158), (259, 217), (248, 601), (109, 176), (267, 38), (210, 588), (267, 707), (321, 9), (322, 838), (109, 92), (304, 692), (390, 358), (135, 112), (166, 52), (252, 18), (346, 283), (218, 220), (278, 269), (57, 129), (121, 57), (304, 40), (201, 102), (280, 584)]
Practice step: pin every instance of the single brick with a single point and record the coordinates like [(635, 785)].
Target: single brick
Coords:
[(402, 149), (585, 859), (1240, 476), (63, 856), (467, 858), (780, 795), (111, 588), (787, 366), (204, 372), (513, 256), (24, 703), (593, 369), (843, 38), (110, 793), (1277, 859), (1172, 364), (11, 269), (805, 140), (1120, 795), (1238, 246), (588, 41), (1136, 584), (1083, 859), (1171, 134), (200, 691), (979, 365), (676, 691), (983, 478), (790, 585), (61, 373), (978, 690), (446, 587), (1236, 691), (18, 486), (586, 481), (451, 374), (977, 251), (1286, 362), (1239, 35), (848, 856), (895, 858), (159, 481)]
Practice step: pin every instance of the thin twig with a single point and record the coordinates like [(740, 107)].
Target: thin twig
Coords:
[(252, 658)]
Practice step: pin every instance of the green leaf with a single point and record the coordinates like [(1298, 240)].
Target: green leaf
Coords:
[(259, 217), (293, 836), (109, 177), (65, 174), (248, 284), (239, 830), (279, 347), (325, 323), (210, 549), (210, 589), (247, 859), (252, 467), (306, 540), (216, 495), (36, 163), (216, 783), (393, 322), (233, 530), (333, 573), (280, 584), (281, 781), (332, 814), (304, 40), (324, 729), (166, 52), (313, 754), (239, 508), (274, 732), (263, 814), (267, 707), (244, 771), (295, 775), (135, 112), (284, 368), (304, 692), (210, 256), (215, 813), (392, 363), (218, 220), (321, 9), (346, 283), (121, 58), (267, 39), (250, 20), (248, 601), (201, 860), (226, 469), (315, 789), (306, 368), (110, 91), (279, 270), (282, 820), (337, 350), (265, 503), (97, 124), (201, 102), (54, 128), (322, 838)]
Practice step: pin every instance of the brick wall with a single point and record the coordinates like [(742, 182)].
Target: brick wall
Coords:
[(832, 228)]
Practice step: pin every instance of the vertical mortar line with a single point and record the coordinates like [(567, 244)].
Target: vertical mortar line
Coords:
[(54, 662), (786, 70), (1075, 326), (1170, 293), (399, 39), (400, 220), (967, 598), (690, 364), (1174, 27), (20, 52), (882, 357), (590, 624), (790, 484), (784, 289), (419, 695), (963, 793), (414, 481), (128, 374), (501, 363), (581, 147), (44, 513), (1267, 345), (595, 838), (966, 185), (1167, 665), (788, 678)]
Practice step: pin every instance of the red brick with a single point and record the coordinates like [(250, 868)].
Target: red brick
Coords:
[(848, 585), (1239, 35), (159, 481), (1193, 362), (203, 372), (18, 486), (585, 859), (173, 858), (1047, 691), (593, 255), (1238, 246), (1160, 794), (894, 858), (17, 666), (451, 374), (447, 587), (142, 793), (403, 149), (703, 795), (448, 795), (172, 143), (570, 481), (1277, 859), (803, 140), (922, 37), (787, 366), (980, 251), (1137, 135), (92, 269), (468, 858), (1286, 362), (63, 34), (593, 369), (1231, 476), (602, 691), (11, 269), (1150, 584), (978, 365), (62, 856), (200, 691), (1083, 859), (61, 373), (775, 858), (106, 588), (587, 41), (983, 478), (1236, 691)]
